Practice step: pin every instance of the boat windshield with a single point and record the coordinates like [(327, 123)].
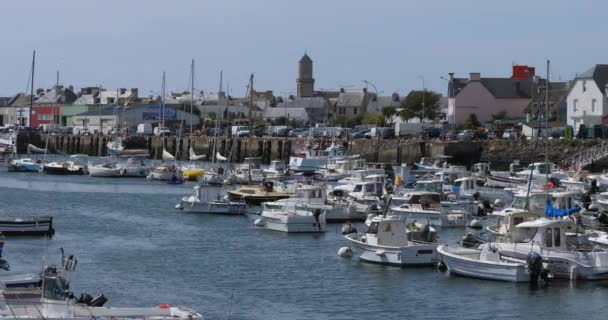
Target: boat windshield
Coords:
[(373, 228), (55, 288), (519, 202), (429, 186)]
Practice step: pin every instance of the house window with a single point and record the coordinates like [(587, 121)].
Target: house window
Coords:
[(355, 111), (584, 85), (593, 105), (574, 103)]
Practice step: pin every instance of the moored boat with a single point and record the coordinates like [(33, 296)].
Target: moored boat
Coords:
[(42, 225)]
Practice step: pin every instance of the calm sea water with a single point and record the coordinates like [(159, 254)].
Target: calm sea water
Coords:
[(135, 248)]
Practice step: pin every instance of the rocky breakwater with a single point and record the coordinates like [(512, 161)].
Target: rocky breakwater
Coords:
[(501, 153)]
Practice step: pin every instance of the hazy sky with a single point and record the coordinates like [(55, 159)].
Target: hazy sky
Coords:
[(128, 43)]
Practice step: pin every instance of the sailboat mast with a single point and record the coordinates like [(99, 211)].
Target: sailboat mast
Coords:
[(162, 111), (191, 95), (29, 120), (546, 125), (217, 117)]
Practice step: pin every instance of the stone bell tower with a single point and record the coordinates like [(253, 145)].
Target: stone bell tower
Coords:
[(306, 83)]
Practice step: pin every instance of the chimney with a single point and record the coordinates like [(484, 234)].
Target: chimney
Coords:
[(342, 90), (474, 76)]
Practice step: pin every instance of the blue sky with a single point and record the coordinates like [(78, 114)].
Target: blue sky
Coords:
[(391, 43)]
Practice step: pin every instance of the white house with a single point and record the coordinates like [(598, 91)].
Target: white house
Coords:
[(587, 102)]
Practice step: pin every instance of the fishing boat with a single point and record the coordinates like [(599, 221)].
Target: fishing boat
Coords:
[(41, 225), (484, 262), (567, 252), (27, 280), (420, 206), (310, 198), (196, 203), (313, 158), (25, 165), (292, 220), (165, 172), (389, 241), (256, 195), (57, 301), (217, 176)]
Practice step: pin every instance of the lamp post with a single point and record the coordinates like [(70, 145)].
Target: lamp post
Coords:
[(423, 98)]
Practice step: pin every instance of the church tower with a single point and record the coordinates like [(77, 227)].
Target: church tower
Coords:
[(306, 83)]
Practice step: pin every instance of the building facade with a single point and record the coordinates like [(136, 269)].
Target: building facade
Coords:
[(587, 102)]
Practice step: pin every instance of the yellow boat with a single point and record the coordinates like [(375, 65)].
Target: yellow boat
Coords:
[(193, 174)]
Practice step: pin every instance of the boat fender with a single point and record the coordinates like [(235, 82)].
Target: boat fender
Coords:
[(345, 252), (475, 224), (498, 203), (164, 306), (258, 222), (348, 228), (441, 266)]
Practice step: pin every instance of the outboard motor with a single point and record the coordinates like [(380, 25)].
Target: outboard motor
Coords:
[(85, 299), (535, 267), (98, 301), (602, 218)]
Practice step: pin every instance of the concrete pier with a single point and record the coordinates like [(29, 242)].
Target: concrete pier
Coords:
[(499, 152)]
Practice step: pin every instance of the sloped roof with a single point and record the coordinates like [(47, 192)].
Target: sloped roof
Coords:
[(599, 74), (20, 100), (351, 99), (297, 113), (311, 103), (305, 59), (507, 88), (4, 101), (57, 95)]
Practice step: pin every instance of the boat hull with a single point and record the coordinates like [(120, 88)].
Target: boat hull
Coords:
[(409, 256), (466, 262), (213, 207), (27, 226), (62, 170)]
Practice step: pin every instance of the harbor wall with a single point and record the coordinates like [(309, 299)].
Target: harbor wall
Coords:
[(500, 153)]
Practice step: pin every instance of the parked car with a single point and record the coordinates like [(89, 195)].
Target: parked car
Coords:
[(431, 133), (466, 135), (360, 134), (162, 131), (448, 135), (509, 134), (299, 132)]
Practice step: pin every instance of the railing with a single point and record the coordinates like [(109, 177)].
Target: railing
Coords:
[(587, 156)]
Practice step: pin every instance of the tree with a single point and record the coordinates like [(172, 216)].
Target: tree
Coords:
[(373, 118), (414, 102), (212, 115), (472, 122), (389, 113)]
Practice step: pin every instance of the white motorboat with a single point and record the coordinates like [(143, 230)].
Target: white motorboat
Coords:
[(247, 175), (420, 206), (311, 198), (540, 171), (108, 169), (473, 188), (484, 262), (57, 301), (165, 173), (195, 203), (276, 170), (218, 176), (389, 241), (567, 253), (498, 181), (314, 158), (293, 220)]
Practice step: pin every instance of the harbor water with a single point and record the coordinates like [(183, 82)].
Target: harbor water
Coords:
[(136, 249)]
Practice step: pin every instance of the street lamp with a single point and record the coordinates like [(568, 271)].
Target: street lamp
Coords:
[(375, 90), (423, 98)]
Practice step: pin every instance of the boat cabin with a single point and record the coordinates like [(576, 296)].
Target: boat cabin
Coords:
[(551, 234), (481, 169), (421, 200), (311, 194), (387, 232), (368, 188), (467, 185), (314, 152), (277, 165)]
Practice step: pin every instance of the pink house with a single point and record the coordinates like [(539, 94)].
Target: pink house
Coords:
[(485, 97)]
